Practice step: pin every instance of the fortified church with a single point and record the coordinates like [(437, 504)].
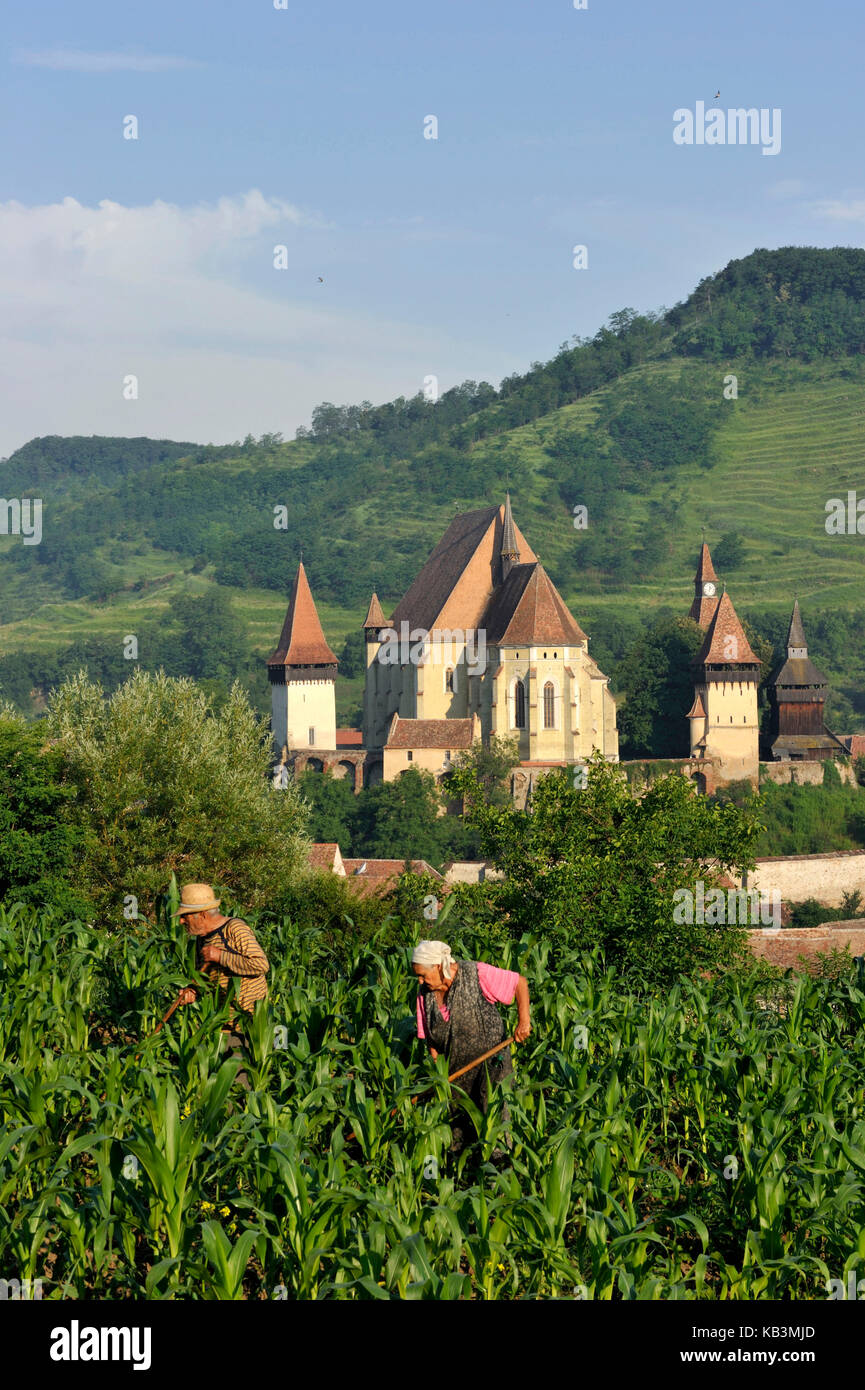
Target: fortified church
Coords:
[(482, 644)]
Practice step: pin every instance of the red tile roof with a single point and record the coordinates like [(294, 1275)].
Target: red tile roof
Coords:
[(323, 856), (302, 642), (374, 616), (702, 609), (349, 738), (528, 610), (725, 643), (430, 733)]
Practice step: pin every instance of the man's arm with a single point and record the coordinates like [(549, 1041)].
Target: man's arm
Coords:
[(247, 957)]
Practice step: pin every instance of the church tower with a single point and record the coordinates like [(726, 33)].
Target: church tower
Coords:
[(723, 718), (797, 693), (302, 675)]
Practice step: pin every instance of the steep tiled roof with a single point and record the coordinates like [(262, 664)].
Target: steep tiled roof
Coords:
[(796, 632), (725, 643), (696, 711), (797, 670), (702, 609), (374, 616), (705, 568), (326, 856), (529, 609), (430, 733), (472, 536), (302, 642)]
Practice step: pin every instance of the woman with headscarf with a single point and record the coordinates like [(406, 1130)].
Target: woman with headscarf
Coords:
[(457, 1015)]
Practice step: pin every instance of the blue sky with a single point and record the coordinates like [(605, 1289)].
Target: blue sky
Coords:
[(304, 127)]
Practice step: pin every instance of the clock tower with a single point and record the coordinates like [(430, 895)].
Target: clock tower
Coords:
[(705, 602)]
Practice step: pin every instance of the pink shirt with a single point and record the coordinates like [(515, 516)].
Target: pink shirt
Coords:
[(498, 986)]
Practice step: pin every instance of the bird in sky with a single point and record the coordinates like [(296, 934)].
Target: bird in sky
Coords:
[(717, 94), (321, 279)]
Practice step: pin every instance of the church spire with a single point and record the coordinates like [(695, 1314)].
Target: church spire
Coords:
[(705, 601), (510, 549), (796, 644)]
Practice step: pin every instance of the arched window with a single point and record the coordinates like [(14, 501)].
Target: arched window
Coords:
[(519, 705), (449, 678), (549, 705)]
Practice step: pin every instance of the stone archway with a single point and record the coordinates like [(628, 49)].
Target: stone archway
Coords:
[(343, 770), (372, 775), (314, 765)]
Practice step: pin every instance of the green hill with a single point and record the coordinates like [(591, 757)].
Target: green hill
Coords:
[(632, 423)]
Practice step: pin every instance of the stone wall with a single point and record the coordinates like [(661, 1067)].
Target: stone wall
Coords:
[(809, 772), (826, 877), (784, 947)]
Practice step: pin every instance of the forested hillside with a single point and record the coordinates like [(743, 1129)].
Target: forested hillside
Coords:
[(739, 411)]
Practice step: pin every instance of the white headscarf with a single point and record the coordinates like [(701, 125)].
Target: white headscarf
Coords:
[(434, 953)]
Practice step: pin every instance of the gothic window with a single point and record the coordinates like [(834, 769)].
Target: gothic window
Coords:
[(549, 705), (519, 705)]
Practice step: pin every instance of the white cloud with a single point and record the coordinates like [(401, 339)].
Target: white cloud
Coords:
[(187, 300), (786, 188), (76, 60), (842, 210)]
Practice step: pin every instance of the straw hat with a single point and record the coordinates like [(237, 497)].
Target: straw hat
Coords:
[(196, 897)]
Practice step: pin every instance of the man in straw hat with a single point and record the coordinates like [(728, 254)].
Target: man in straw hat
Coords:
[(226, 946)]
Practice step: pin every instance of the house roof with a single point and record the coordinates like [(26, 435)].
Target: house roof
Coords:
[(725, 643), (302, 642), (696, 711), (326, 856), (349, 738), (380, 875), (430, 733)]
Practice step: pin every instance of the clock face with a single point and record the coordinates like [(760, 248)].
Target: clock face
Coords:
[(709, 589)]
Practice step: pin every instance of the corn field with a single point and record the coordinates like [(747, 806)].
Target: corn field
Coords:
[(707, 1144)]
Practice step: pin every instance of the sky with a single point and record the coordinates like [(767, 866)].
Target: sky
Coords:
[(137, 276)]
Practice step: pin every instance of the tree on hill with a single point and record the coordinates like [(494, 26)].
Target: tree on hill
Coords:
[(730, 552), (162, 785)]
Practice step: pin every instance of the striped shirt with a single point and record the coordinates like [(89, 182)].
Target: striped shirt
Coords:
[(242, 956)]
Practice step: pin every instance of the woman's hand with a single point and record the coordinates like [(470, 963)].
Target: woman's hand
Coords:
[(211, 953), (187, 996), (522, 1030)]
